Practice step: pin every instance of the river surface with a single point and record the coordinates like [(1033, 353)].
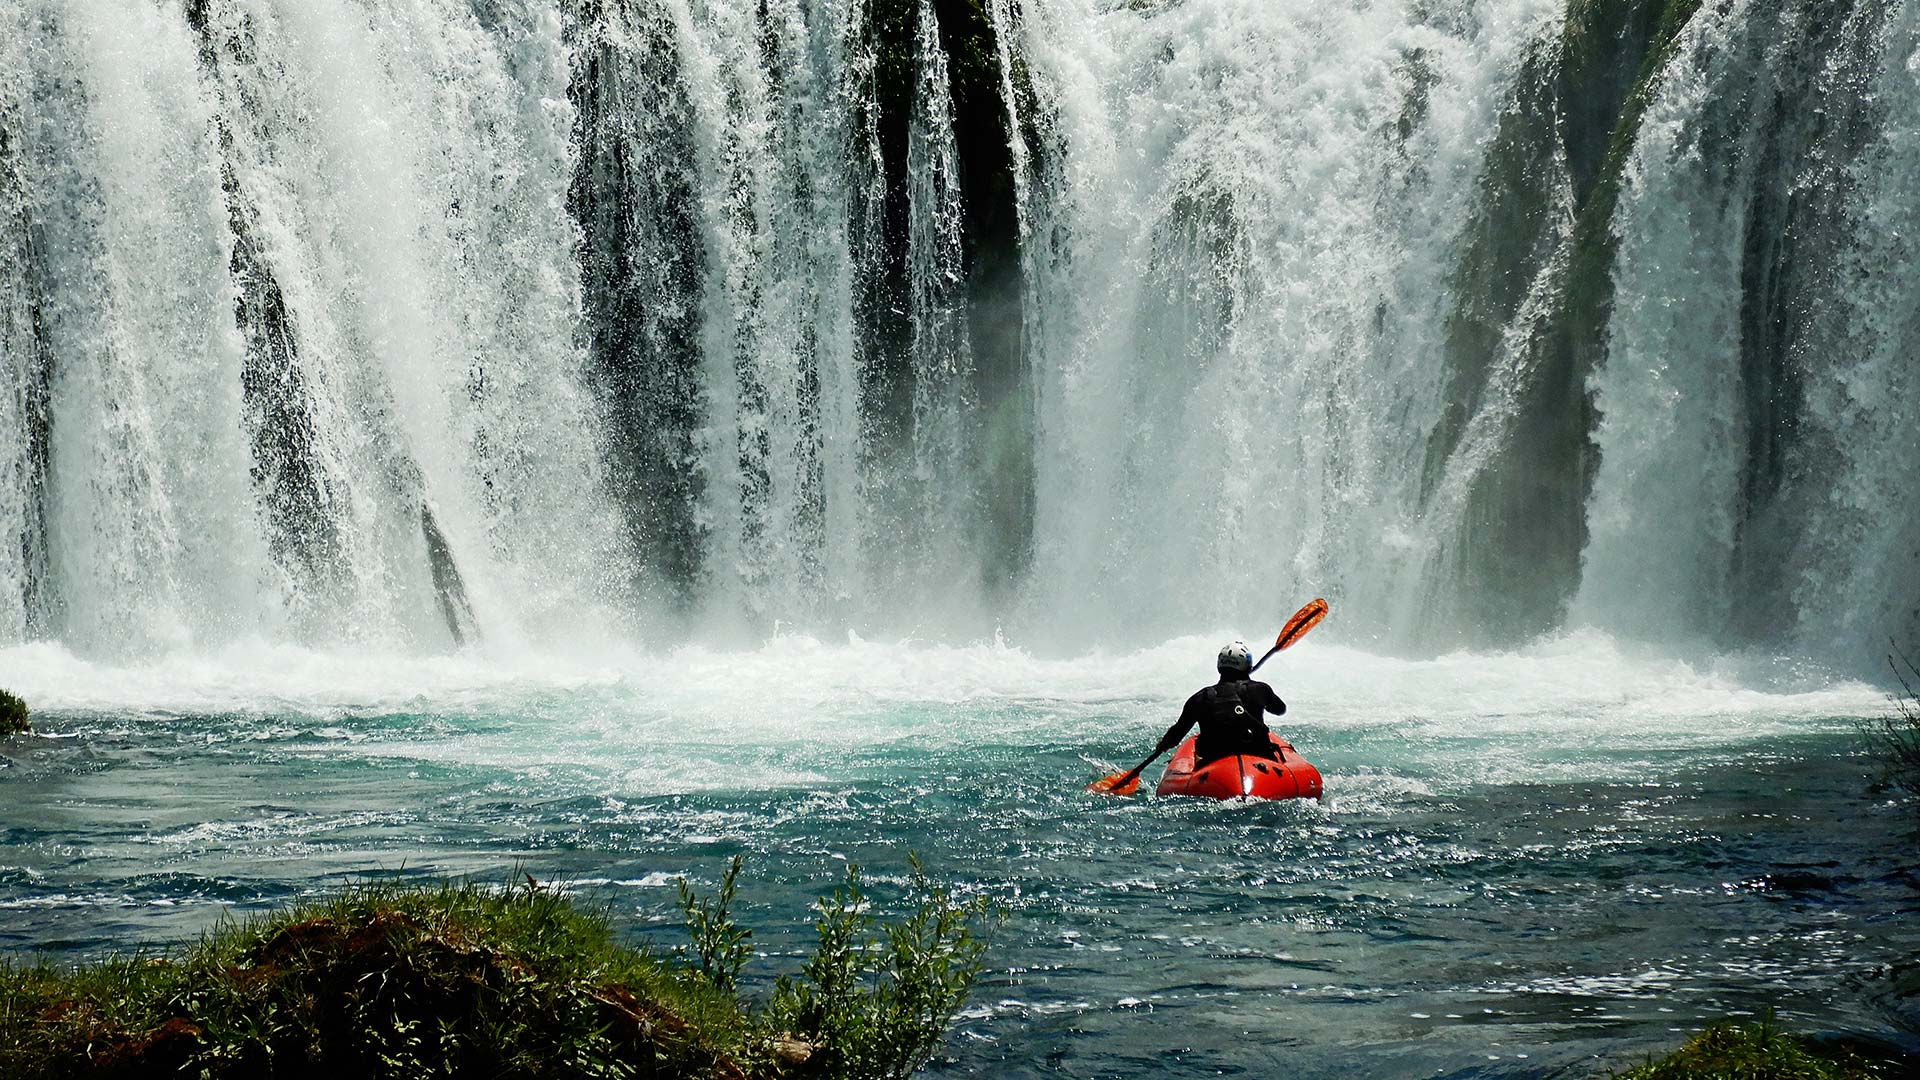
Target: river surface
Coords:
[(1545, 863)]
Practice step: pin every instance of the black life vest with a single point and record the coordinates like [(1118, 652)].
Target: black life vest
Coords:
[(1232, 723)]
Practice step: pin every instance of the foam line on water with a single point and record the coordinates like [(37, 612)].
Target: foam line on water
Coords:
[(1565, 683)]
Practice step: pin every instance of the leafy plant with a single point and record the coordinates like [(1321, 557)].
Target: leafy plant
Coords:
[(879, 1005), (721, 946)]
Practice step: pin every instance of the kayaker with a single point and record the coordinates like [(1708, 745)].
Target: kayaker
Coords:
[(1230, 712)]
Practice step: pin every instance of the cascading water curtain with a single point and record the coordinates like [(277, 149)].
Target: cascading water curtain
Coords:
[(823, 419), (1260, 206), (420, 322), (944, 407), (776, 306), (309, 304), (416, 321), (1757, 458), (23, 363)]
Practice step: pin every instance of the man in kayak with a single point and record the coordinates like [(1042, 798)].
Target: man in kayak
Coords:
[(1229, 712)]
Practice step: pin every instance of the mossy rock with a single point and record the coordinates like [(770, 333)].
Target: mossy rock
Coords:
[(1757, 1052), (382, 982), (13, 714), (437, 980)]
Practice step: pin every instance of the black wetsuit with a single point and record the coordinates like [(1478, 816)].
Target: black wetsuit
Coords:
[(1229, 715)]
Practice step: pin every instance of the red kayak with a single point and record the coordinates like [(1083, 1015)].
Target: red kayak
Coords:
[(1242, 777)]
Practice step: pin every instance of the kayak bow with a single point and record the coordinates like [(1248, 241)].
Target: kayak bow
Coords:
[(1242, 776)]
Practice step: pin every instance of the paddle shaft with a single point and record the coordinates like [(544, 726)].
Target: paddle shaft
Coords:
[(1262, 660), (1135, 771)]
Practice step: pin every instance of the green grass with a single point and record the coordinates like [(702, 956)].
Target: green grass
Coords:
[(459, 981), (1754, 1052)]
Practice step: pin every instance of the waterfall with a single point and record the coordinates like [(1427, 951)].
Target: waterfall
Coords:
[(150, 530), (1752, 469), (422, 323), (24, 369), (1265, 202), (1854, 552), (313, 328), (944, 404)]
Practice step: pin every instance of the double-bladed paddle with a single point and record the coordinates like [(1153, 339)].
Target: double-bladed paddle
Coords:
[(1305, 619)]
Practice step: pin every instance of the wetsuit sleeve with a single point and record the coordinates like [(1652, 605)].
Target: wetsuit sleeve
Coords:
[(1273, 704), (1189, 716)]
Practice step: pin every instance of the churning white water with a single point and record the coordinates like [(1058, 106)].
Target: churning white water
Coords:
[(800, 711)]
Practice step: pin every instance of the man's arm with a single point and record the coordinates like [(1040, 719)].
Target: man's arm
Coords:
[(1189, 716), (1273, 704)]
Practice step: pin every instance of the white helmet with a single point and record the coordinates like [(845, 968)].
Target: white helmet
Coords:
[(1235, 656)]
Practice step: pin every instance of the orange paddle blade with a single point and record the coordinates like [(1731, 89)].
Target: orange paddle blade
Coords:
[(1303, 620), (1112, 785)]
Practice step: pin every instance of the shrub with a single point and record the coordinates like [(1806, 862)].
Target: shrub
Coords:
[(1753, 1052), (13, 714), (720, 947), (878, 1005), (1897, 736)]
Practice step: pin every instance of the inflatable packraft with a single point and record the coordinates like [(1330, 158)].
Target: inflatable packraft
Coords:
[(1286, 775)]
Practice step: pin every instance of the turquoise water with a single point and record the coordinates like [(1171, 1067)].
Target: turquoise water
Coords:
[(1536, 864)]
